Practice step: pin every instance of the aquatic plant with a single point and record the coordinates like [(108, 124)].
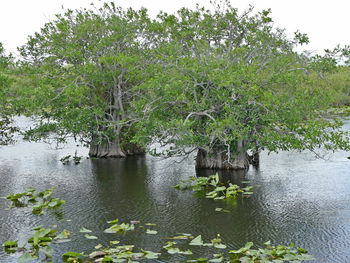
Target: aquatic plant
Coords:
[(37, 201), (39, 245), (68, 158), (270, 253), (119, 228), (213, 188)]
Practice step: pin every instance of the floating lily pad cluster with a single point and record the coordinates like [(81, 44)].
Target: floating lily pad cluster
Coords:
[(180, 244), (269, 253), (172, 248), (38, 244), (37, 201), (113, 253), (213, 188), (119, 228)]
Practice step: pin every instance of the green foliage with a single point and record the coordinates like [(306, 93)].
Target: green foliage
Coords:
[(38, 244), (68, 158), (227, 79), (72, 257), (119, 228), (197, 79), (269, 253), (213, 188), (172, 249), (7, 129), (121, 253), (10, 246), (339, 82), (216, 242), (79, 71), (37, 201)]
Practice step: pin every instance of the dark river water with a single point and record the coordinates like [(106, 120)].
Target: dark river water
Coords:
[(297, 198)]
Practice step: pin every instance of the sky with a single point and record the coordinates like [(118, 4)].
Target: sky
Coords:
[(327, 23)]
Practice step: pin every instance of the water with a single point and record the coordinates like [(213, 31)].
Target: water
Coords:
[(297, 198)]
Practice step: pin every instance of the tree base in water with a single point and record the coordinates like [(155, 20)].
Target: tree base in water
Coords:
[(106, 150), (113, 150), (133, 149), (254, 159), (219, 160)]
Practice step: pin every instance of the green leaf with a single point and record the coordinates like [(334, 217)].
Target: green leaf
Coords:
[(221, 246), (99, 246), (115, 221), (196, 241), (216, 260), (9, 244), (48, 251), (90, 237), (72, 254), (151, 232), (173, 250), (26, 257), (181, 237), (63, 235), (186, 252), (219, 209), (150, 254), (84, 230)]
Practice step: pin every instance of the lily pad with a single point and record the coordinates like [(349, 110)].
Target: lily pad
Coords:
[(151, 232), (197, 241), (84, 230), (90, 236)]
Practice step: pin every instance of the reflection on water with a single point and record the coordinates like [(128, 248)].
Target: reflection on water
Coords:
[(296, 198)]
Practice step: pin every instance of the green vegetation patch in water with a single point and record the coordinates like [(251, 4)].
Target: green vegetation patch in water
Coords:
[(37, 201), (39, 246), (213, 188)]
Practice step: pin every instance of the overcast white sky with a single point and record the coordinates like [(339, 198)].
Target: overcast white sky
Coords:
[(326, 22)]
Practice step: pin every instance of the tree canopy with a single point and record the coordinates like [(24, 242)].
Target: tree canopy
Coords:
[(219, 81), (85, 64), (229, 83), (6, 100)]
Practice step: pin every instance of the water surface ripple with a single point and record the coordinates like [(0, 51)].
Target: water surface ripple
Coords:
[(297, 198)]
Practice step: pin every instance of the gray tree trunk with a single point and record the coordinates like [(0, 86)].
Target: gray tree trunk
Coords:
[(106, 150), (115, 113), (114, 150), (218, 159), (254, 159), (133, 149)]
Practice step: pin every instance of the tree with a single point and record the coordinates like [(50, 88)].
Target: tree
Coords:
[(228, 84), (82, 68), (333, 69), (220, 82), (7, 128)]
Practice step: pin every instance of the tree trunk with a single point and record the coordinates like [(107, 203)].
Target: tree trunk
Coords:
[(133, 149), (106, 150), (254, 159), (120, 146), (218, 159)]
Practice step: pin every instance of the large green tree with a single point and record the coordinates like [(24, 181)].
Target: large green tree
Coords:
[(7, 128), (80, 70), (216, 82), (229, 83)]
